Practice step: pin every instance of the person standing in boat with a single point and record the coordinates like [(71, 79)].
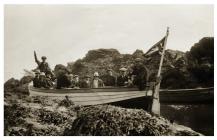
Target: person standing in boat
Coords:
[(97, 82), (109, 79), (140, 73), (122, 79), (43, 66)]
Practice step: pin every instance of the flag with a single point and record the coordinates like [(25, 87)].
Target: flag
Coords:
[(158, 47)]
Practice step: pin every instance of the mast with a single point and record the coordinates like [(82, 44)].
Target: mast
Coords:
[(155, 108)]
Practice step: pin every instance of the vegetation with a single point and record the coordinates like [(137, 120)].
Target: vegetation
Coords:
[(201, 61), (37, 116)]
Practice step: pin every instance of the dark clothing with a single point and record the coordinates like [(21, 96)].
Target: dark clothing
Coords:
[(108, 80), (85, 84), (36, 82), (121, 80), (49, 83), (43, 67), (76, 84), (63, 81), (43, 82), (141, 76)]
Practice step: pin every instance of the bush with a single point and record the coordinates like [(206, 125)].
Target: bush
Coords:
[(114, 121), (201, 61)]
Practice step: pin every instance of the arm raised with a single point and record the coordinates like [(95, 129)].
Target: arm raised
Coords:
[(36, 59)]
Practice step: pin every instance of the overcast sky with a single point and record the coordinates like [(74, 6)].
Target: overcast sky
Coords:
[(65, 33)]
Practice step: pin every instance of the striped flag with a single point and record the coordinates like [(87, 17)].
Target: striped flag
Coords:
[(158, 47)]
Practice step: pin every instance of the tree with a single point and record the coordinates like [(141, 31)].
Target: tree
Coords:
[(201, 61)]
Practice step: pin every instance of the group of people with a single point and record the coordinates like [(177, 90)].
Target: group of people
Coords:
[(136, 76)]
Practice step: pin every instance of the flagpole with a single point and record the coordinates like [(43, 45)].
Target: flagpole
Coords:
[(155, 108)]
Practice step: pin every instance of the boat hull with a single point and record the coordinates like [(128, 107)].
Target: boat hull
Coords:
[(112, 95), (201, 95), (91, 96)]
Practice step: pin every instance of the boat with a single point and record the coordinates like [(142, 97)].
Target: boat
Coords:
[(107, 95)]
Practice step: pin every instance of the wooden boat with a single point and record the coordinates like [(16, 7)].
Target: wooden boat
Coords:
[(106, 95), (198, 95)]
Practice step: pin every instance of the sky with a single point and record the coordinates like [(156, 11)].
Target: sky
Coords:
[(65, 33)]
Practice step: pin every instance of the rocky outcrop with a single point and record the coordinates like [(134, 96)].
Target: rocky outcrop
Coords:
[(60, 69), (93, 55), (180, 69), (102, 59), (17, 86), (11, 85)]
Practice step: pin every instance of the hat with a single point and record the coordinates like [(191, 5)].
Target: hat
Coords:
[(76, 76), (43, 57), (96, 74), (138, 59), (123, 69), (42, 74)]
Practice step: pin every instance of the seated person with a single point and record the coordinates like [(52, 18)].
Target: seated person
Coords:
[(97, 82), (76, 82), (43, 81), (36, 81), (109, 79), (71, 79), (122, 79), (86, 83), (49, 82), (130, 81)]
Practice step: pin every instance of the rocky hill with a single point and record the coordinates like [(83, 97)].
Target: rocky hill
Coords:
[(180, 69), (102, 59)]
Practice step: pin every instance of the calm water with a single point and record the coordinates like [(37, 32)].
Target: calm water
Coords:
[(199, 117)]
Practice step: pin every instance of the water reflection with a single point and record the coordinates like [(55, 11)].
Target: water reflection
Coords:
[(199, 117)]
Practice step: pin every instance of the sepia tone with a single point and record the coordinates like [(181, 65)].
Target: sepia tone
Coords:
[(109, 70)]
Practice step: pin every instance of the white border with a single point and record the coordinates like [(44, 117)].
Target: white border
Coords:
[(2, 2), (107, 1)]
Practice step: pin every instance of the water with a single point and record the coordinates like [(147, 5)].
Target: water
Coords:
[(199, 117)]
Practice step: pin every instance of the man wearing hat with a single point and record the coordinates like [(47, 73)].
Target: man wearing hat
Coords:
[(76, 83), (97, 82), (122, 79), (109, 79), (36, 80), (86, 83), (42, 66), (140, 73)]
